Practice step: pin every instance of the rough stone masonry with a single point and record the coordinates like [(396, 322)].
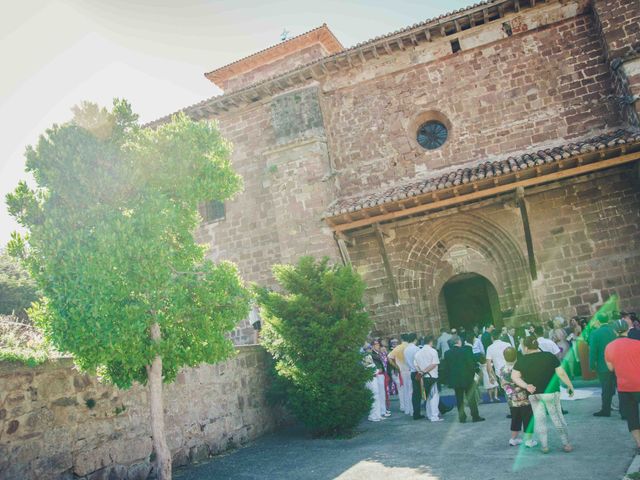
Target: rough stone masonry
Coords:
[(529, 207), (478, 167), (56, 423)]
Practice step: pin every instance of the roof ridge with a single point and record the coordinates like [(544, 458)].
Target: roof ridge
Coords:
[(324, 25)]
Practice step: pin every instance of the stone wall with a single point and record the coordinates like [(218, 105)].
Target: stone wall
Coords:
[(281, 65), (619, 25), (280, 149), (56, 423), (586, 238), (540, 86), (533, 78)]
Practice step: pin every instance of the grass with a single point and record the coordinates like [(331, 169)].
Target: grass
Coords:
[(21, 342)]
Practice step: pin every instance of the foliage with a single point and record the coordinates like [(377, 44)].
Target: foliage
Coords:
[(110, 242), (21, 342), (17, 288), (314, 331)]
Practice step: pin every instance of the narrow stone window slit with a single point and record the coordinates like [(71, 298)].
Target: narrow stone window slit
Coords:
[(455, 45)]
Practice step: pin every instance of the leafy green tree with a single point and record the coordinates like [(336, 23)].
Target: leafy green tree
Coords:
[(127, 290), (314, 329), (17, 288)]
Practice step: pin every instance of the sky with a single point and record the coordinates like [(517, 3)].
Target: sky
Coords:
[(58, 53)]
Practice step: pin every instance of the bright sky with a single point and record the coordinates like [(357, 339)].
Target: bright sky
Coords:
[(57, 53)]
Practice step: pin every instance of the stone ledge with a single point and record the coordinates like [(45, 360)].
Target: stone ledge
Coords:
[(67, 362)]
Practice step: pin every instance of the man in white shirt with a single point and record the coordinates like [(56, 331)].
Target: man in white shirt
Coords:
[(426, 362), (396, 358), (443, 342), (495, 355), (478, 347), (544, 344), (416, 395)]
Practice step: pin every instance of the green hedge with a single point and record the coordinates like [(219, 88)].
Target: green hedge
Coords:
[(314, 329)]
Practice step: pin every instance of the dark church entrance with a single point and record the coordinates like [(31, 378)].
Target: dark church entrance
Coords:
[(471, 300)]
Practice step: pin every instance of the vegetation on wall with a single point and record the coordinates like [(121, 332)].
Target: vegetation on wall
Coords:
[(17, 288), (314, 329), (22, 342), (110, 243)]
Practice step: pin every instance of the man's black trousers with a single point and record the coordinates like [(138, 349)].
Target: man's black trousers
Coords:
[(472, 400)]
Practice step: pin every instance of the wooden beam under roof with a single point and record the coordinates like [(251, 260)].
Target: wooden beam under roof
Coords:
[(342, 248), (528, 237), (500, 185), (387, 264)]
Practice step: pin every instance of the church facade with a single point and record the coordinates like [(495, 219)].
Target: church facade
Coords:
[(478, 167)]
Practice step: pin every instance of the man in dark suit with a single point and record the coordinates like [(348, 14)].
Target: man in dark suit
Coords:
[(459, 368), (486, 338)]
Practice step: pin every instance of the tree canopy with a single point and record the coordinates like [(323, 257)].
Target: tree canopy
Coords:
[(110, 242)]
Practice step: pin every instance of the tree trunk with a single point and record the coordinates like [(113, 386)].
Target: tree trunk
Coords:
[(154, 374)]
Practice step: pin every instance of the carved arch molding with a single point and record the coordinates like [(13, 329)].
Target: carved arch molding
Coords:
[(438, 250)]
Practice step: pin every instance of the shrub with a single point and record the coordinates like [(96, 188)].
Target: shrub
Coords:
[(22, 342), (314, 330), (17, 288)]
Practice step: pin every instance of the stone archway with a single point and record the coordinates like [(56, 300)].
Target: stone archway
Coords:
[(458, 244), (470, 300)]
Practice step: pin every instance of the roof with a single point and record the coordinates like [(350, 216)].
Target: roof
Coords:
[(321, 35), (425, 31), (485, 175)]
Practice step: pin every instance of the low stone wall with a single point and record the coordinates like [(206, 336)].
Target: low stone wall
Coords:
[(57, 423)]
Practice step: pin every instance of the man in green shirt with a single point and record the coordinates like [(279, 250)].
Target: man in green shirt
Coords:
[(598, 341)]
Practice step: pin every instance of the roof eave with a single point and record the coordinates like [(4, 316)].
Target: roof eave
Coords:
[(474, 191)]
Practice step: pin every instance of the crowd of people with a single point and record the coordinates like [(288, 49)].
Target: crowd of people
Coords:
[(525, 365)]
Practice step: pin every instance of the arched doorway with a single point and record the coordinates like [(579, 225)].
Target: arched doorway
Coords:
[(471, 300)]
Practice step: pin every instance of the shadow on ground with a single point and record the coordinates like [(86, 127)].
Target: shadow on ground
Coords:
[(401, 448)]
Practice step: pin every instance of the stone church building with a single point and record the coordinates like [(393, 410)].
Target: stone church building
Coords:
[(478, 167)]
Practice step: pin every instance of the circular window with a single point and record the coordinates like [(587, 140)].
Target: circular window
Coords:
[(432, 134)]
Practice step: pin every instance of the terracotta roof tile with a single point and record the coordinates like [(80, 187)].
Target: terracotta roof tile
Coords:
[(481, 170)]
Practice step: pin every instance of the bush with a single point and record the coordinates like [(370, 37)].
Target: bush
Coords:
[(17, 289), (314, 330), (22, 342)]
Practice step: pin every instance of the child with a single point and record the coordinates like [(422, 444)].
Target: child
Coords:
[(518, 400), (489, 380)]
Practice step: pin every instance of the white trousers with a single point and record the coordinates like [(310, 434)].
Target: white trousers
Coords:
[(382, 395), (407, 391), (432, 403), (374, 413), (396, 379)]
